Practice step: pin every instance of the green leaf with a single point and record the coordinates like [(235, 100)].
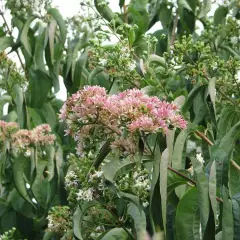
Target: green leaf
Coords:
[(39, 50), (222, 152), (213, 189), (191, 96), (3, 100), (184, 4), (199, 107), (139, 219), (174, 181), (104, 10), (40, 186), (205, 8), (121, 3), (227, 217), (78, 216), (115, 234), (20, 164), (220, 15), (139, 16), (35, 117), (49, 114), (212, 91), (187, 216), (156, 170), (94, 73), (236, 218), (24, 36), (48, 235), (5, 42), (19, 102), (230, 115), (177, 158), (131, 37), (155, 58), (163, 185), (203, 192), (61, 23), (74, 57), (165, 15), (130, 197), (51, 36), (231, 51), (104, 151), (40, 86), (234, 179), (116, 167), (50, 153)]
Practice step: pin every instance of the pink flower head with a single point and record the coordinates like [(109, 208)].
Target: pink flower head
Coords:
[(40, 135), (124, 114), (143, 123)]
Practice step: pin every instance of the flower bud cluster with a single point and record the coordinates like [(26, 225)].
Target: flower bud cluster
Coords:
[(117, 60), (21, 140), (9, 78), (137, 182), (59, 220), (6, 130), (120, 117), (24, 8), (39, 136), (9, 235)]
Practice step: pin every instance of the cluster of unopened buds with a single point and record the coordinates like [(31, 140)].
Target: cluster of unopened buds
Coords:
[(122, 118), (22, 139), (59, 220)]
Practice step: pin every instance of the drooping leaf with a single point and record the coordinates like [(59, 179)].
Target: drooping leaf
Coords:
[(78, 216), (139, 219), (19, 166), (163, 184), (187, 105), (24, 36), (220, 15), (116, 167), (187, 216), (94, 73), (115, 234), (203, 193), (157, 59), (213, 189), (156, 170), (19, 101), (41, 193), (227, 218), (212, 91), (234, 179), (174, 181), (61, 23), (40, 85), (104, 151), (177, 161), (236, 218), (205, 8), (49, 114), (5, 42), (39, 50), (51, 36), (222, 152)]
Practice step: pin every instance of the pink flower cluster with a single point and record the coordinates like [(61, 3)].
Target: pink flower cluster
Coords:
[(6, 129), (40, 135), (130, 111)]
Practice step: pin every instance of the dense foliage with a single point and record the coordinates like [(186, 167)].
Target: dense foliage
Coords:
[(146, 146)]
